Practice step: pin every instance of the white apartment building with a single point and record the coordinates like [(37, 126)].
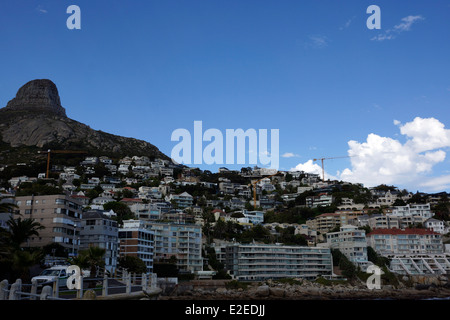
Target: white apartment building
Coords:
[(319, 201), (274, 261), (352, 243), (416, 210), (255, 217), (411, 251), (184, 241), (405, 241)]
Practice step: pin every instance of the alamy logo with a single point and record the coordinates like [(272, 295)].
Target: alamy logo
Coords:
[(374, 281), (218, 151), (74, 281)]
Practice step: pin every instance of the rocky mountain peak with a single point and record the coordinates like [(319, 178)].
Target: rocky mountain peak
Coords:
[(39, 95)]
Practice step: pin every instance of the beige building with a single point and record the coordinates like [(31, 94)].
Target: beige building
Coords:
[(327, 221), (59, 214)]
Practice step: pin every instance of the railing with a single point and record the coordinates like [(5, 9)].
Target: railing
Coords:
[(125, 286)]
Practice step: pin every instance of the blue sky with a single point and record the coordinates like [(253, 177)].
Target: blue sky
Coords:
[(311, 69)]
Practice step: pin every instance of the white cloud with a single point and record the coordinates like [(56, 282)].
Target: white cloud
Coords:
[(39, 8), (405, 25), (317, 41), (347, 24), (311, 167), (383, 160), (436, 184), (289, 155)]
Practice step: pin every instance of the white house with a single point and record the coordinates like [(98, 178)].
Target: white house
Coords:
[(436, 225)]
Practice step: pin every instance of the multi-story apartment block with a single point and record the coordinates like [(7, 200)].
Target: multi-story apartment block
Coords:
[(59, 214), (264, 261), (416, 210), (319, 201), (381, 221), (352, 243), (324, 222), (138, 241), (405, 241), (98, 230), (183, 241)]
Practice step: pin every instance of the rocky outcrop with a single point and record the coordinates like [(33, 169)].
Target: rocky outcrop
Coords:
[(37, 96), (35, 118), (310, 290)]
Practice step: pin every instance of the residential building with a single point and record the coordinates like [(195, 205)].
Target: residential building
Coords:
[(324, 222), (99, 230), (146, 211), (352, 243), (276, 261), (183, 241), (405, 241), (182, 200), (436, 225), (416, 210), (59, 214), (381, 221), (138, 241), (322, 200), (254, 217)]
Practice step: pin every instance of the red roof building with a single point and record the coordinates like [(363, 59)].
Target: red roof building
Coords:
[(405, 241)]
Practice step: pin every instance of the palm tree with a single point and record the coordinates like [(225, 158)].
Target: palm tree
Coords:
[(18, 260), (7, 206), (90, 258), (23, 260), (20, 230)]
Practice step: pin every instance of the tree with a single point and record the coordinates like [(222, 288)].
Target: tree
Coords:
[(399, 202), (23, 260), (132, 264), (14, 260), (55, 249), (7, 207), (92, 258), (373, 257), (347, 267), (121, 209), (20, 230)]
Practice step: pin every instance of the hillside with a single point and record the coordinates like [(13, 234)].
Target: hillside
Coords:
[(35, 120)]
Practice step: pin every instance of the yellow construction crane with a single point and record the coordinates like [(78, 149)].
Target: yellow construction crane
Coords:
[(254, 187), (56, 151), (323, 169)]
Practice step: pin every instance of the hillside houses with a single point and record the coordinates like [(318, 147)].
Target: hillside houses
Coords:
[(322, 214)]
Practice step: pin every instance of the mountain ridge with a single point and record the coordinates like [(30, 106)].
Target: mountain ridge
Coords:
[(35, 120)]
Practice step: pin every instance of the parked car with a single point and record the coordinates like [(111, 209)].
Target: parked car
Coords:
[(48, 276)]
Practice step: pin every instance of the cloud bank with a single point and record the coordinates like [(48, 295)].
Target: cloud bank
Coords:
[(383, 160), (408, 164)]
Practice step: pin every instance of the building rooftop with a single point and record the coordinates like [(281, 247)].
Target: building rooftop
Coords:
[(395, 231)]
